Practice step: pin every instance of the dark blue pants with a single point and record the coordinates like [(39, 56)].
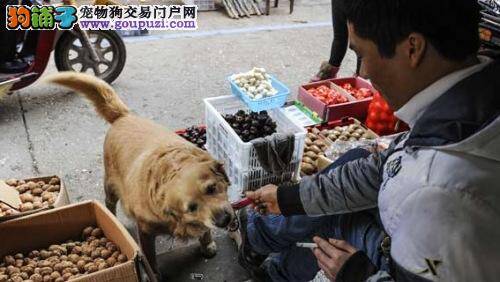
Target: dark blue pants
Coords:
[(277, 235)]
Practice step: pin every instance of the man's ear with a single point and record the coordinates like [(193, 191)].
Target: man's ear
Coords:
[(417, 47)]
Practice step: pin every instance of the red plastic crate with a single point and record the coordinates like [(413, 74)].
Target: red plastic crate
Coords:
[(353, 108), (357, 82), (182, 131)]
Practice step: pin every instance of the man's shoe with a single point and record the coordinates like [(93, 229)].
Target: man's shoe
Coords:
[(14, 66), (247, 258)]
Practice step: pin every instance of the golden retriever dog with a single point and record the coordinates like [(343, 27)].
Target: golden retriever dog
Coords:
[(165, 183)]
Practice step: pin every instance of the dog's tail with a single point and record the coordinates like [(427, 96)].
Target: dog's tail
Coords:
[(99, 92)]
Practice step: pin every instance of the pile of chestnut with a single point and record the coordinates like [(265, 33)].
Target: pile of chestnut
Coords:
[(195, 135), (251, 125)]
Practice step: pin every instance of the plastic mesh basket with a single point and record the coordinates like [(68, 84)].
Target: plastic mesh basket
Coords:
[(263, 104), (240, 158)]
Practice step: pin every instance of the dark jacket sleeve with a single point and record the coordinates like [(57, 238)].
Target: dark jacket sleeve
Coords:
[(357, 268)]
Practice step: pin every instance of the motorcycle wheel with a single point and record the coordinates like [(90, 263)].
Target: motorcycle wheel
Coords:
[(70, 55)]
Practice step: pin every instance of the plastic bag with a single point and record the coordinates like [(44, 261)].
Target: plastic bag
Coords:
[(338, 148)]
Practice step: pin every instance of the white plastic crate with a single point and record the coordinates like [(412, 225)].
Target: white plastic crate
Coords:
[(240, 158), (226, 144), (251, 180)]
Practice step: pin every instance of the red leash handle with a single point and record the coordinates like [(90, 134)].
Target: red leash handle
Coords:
[(241, 203)]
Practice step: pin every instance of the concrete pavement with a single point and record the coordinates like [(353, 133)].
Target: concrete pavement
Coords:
[(48, 130)]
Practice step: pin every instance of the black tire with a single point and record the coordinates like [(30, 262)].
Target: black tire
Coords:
[(70, 44)]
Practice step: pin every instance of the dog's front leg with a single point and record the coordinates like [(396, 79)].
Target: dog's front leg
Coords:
[(111, 197), (207, 244), (147, 241)]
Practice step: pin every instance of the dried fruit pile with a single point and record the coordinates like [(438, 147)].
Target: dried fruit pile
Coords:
[(317, 140), (63, 262), (34, 195), (256, 83), (315, 146), (359, 94), (327, 95), (352, 132), (252, 125), (196, 135)]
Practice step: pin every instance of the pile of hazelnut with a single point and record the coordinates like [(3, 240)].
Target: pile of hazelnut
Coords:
[(63, 262), (34, 195)]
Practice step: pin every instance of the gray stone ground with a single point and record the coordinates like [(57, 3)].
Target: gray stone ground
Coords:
[(47, 130)]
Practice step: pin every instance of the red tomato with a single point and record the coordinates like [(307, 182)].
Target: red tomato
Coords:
[(359, 94), (327, 95), (372, 116), (347, 86), (381, 118), (366, 92), (384, 116)]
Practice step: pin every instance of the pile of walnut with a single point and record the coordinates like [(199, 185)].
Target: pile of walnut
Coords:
[(317, 142), (34, 195), (63, 262)]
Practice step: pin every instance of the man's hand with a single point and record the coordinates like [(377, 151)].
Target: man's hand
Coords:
[(266, 198), (331, 255)]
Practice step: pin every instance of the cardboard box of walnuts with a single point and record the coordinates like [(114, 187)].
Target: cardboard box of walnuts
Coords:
[(74, 229), (31, 195)]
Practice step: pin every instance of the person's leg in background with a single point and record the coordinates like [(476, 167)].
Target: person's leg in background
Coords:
[(278, 234), (339, 45), (7, 50), (8, 61), (30, 44), (30, 41), (358, 65), (340, 38)]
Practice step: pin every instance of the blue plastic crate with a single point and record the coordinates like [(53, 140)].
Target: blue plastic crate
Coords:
[(263, 104)]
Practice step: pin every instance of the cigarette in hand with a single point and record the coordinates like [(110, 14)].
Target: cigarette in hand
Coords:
[(307, 245)]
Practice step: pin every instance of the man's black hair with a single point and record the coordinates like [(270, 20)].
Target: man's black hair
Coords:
[(451, 26)]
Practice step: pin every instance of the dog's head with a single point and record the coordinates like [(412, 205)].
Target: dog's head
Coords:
[(193, 192)]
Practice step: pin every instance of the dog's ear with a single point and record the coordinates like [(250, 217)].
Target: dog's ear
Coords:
[(161, 170), (219, 166), (166, 169), (218, 169)]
